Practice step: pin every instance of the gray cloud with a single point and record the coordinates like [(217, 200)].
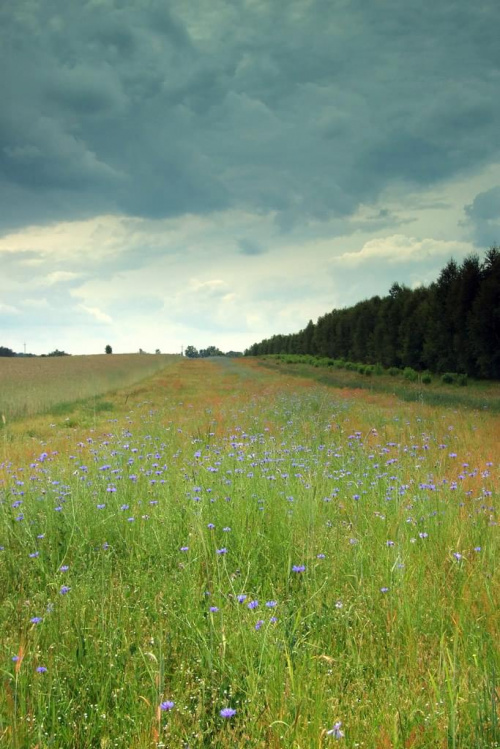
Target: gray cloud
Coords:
[(483, 217), (305, 109), (250, 247)]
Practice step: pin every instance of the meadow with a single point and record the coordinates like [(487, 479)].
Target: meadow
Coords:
[(227, 556)]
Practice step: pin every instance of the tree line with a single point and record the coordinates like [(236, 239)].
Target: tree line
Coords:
[(453, 325)]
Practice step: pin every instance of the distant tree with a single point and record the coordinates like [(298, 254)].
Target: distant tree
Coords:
[(210, 351), (191, 352), (108, 349), (157, 351), (6, 351), (56, 352)]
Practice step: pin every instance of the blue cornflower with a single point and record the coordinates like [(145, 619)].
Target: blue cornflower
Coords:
[(222, 551), (457, 555), (227, 712), (36, 620), (259, 624), (64, 568), (384, 590), (184, 548), (298, 568), (253, 604), (167, 705), (214, 609), (241, 598), (41, 670), (271, 604), (64, 589), (35, 554), (335, 731)]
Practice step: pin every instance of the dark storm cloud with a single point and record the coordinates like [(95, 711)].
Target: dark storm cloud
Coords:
[(483, 215), (304, 108)]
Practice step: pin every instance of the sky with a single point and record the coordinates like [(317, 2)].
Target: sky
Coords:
[(213, 172)]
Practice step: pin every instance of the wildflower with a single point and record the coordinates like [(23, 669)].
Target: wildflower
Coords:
[(184, 548), (384, 590), (253, 604), (64, 589), (35, 554), (227, 712), (41, 670), (64, 568), (167, 705), (222, 551), (320, 556), (335, 731), (339, 605), (259, 624), (214, 609), (36, 620), (298, 568), (273, 619), (211, 526), (457, 555), (241, 598), (271, 604)]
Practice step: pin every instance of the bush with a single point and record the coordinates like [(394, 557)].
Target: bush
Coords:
[(394, 371), (378, 369), (410, 374), (448, 378), (462, 380), (426, 378)]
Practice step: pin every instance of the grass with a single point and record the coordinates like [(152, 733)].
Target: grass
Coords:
[(478, 395), (29, 386), (229, 538)]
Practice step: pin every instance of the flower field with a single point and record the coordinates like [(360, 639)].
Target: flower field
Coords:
[(229, 557)]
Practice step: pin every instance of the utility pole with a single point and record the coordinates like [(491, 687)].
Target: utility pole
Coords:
[(24, 348), (182, 350)]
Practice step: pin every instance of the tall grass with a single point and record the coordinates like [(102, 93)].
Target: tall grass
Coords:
[(30, 386), (321, 564)]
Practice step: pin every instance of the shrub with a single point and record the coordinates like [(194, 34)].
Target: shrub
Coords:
[(410, 374), (448, 378), (394, 371), (426, 378)]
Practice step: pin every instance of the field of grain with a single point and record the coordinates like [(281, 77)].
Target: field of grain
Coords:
[(30, 386), (237, 558)]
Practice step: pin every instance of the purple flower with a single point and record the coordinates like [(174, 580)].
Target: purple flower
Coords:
[(211, 526), (41, 670), (167, 705), (64, 568), (320, 556), (335, 731), (253, 604), (298, 568), (384, 590), (184, 548), (64, 589), (227, 712), (273, 619), (457, 555), (222, 551), (259, 624), (34, 554), (36, 620), (271, 604), (241, 598), (214, 609)]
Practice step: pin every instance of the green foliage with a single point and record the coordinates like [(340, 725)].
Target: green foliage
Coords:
[(452, 325), (426, 378), (410, 374), (108, 349)]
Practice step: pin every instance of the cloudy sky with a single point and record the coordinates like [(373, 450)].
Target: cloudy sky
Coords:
[(178, 172)]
